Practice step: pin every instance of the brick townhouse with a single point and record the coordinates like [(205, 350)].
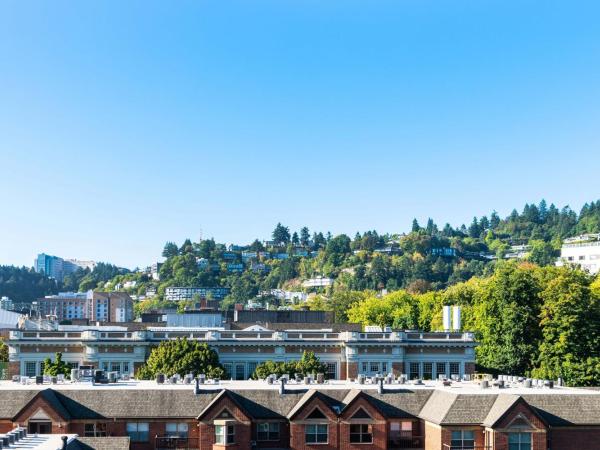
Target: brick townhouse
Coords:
[(250, 415)]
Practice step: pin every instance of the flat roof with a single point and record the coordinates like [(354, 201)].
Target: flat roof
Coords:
[(42, 442), (462, 387)]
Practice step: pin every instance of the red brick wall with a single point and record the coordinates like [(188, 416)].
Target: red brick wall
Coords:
[(539, 438), (14, 368), (378, 427), (243, 427), (343, 370), (352, 369), (574, 438), (297, 427), (478, 432), (398, 368)]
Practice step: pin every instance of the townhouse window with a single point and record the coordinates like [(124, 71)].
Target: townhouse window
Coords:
[(384, 368), (519, 441), (463, 440), (138, 431), (115, 367), (94, 429), (316, 434), (374, 367), (179, 430), (267, 431), (224, 434), (361, 433), (126, 367), (365, 367)]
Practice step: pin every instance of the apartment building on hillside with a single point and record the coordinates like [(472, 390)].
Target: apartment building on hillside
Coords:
[(583, 251), (92, 305)]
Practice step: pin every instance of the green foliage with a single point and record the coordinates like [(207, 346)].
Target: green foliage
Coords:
[(398, 310), (3, 352), (309, 363), (570, 324), (58, 366), (24, 285), (181, 356)]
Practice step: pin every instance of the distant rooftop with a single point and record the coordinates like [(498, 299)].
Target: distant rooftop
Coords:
[(456, 387)]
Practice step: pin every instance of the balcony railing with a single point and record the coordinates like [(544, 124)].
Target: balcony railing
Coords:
[(405, 440), (176, 443), (466, 447)]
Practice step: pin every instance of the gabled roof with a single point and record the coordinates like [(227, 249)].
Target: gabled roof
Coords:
[(100, 443), (259, 403), (500, 407), (564, 410), (333, 400), (51, 398), (450, 408)]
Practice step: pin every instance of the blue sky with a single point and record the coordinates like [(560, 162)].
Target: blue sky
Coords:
[(127, 124)]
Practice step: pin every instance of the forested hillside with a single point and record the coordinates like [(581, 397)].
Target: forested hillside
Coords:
[(24, 285), (428, 258)]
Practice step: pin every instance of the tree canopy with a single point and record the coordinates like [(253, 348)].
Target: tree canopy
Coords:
[(181, 356)]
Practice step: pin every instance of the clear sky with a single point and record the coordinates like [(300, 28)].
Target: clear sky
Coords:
[(124, 124)]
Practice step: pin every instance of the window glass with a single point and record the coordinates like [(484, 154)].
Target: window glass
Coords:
[(316, 434), (519, 441), (462, 440), (267, 431), (177, 429), (138, 431), (360, 433)]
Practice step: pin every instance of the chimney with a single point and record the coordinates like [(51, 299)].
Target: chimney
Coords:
[(456, 325), (380, 386), (282, 386), (446, 317), (197, 387), (64, 444)]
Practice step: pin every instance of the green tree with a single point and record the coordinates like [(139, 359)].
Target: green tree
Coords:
[(415, 226), (170, 250), (507, 307), (570, 321), (304, 237), (398, 310), (3, 352), (309, 363), (541, 253), (181, 357), (58, 366), (281, 234)]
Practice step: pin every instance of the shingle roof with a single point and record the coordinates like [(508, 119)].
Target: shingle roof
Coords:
[(399, 403), (499, 408), (469, 409), (561, 410), (437, 406)]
